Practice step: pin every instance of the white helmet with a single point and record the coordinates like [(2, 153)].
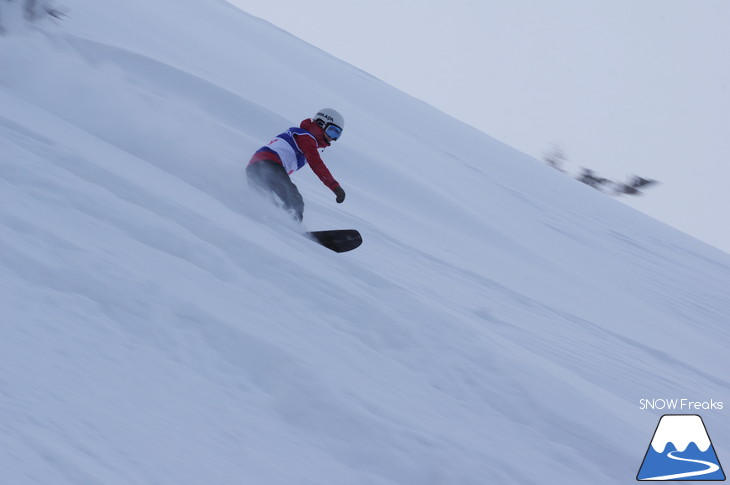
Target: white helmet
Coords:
[(331, 121)]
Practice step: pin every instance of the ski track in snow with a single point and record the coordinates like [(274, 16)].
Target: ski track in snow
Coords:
[(161, 325), (711, 468)]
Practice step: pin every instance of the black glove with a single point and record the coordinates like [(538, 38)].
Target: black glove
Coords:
[(340, 195)]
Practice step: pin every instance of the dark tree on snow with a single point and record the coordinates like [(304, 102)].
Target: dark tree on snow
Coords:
[(632, 186), (589, 177), (37, 9), (29, 10), (555, 157)]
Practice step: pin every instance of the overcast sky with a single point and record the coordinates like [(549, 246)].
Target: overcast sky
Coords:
[(623, 86)]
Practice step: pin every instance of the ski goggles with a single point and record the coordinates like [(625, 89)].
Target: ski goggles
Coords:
[(333, 131)]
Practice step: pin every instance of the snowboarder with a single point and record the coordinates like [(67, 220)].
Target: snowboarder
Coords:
[(269, 169)]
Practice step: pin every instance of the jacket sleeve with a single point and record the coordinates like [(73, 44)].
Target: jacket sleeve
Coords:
[(309, 148)]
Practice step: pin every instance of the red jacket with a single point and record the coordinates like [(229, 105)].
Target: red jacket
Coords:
[(309, 147)]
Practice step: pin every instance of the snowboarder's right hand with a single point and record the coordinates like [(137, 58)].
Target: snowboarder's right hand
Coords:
[(340, 193)]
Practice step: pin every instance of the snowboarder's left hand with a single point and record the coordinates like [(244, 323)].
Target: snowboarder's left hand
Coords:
[(340, 193)]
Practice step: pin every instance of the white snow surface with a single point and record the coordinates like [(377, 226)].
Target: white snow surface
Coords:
[(681, 430), (161, 325)]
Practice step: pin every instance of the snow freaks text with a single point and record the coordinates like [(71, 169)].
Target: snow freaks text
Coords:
[(680, 405)]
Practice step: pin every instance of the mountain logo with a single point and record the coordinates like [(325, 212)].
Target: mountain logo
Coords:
[(681, 450)]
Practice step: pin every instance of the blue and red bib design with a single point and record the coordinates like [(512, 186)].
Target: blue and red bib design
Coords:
[(285, 146)]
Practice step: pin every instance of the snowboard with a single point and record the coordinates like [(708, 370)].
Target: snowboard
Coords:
[(338, 240)]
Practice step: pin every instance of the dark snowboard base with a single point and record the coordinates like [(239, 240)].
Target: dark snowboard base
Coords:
[(339, 240)]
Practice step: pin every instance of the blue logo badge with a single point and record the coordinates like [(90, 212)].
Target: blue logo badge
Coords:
[(681, 450)]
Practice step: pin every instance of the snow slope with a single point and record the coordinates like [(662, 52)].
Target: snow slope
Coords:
[(163, 326)]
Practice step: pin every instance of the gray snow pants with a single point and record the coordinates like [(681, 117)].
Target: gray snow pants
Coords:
[(269, 177)]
